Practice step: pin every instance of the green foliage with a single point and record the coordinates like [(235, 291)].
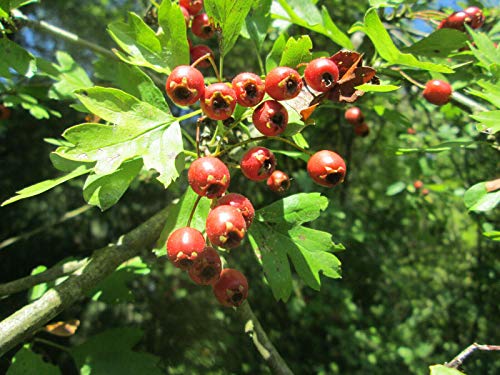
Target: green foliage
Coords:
[(433, 45), (25, 362), (443, 370), (477, 198), (296, 51), (17, 58)]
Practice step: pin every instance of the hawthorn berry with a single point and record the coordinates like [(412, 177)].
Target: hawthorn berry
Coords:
[(187, 16), (249, 89), (418, 184), (183, 246), (202, 27), (232, 288), (241, 203), (225, 226), (209, 177), (354, 116), (270, 118), (425, 192), (476, 17), (258, 163), (437, 92), (321, 74), (361, 130), (185, 85), (193, 6), (219, 101), (283, 83), (454, 21), (326, 168), (279, 182), (206, 268), (198, 51)]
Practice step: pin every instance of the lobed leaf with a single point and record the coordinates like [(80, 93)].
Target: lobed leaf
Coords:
[(488, 121), (296, 51), (173, 39), (26, 362), (477, 198)]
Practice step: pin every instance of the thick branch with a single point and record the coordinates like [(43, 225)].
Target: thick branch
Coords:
[(26, 321), (459, 359), (259, 337)]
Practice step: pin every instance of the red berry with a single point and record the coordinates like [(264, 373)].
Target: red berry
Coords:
[(411, 131), (437, 92), (232, 288), (183, 247), (278, 182), (270, 118), (201, 50), (206, 268), (219, 101), (425, 191), (283, 83), (187, 16), (249, 89), (209, 177), (454, 21), (418, 184), (258, 163), (4, 112), (326, 168), (361, 130), (202, 27), (354, 116), (185, 85), (193, 6), (321, 74), (476, 17), (225, 227), (241, 203)]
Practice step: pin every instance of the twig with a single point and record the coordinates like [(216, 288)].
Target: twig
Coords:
[(51, 274), (460, 358), (259, 337), (25, 322)]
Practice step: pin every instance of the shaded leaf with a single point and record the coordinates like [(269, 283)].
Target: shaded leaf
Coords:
[(440, 43), (25, 362), (17, 58), (274, 56)]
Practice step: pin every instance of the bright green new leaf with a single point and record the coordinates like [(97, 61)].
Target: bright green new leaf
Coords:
[(274, 56), (445, 146), (44, 186), (477, 198), (395, 188), (484, 50), (385, 3), (492, 235), (173, 38), (443, 370), (111, 352), (296, 51), (17, 58), (229, 16), (25, 362), (440, 43), (488, 121), (377, 88), (374, 28), (104, 191), (490, 93), (4, 8)]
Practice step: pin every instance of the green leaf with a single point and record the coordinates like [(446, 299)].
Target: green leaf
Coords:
[(178, 216), (104, 191), (173, 39), (491, 92), (377, 88), (43, 186), (443, 370), (395, 188), (258, 22), (132, 80), (140, 44), (492, 235), (274, 56), (25, 362), (477, 198), (123, 109), (384, 45), (442, 147), (440, 43), (38, 290), (17, 58), (229, 16), (306, 14), (484, 50), (488, 122), (296, 51), (111, 352), (385, 3)]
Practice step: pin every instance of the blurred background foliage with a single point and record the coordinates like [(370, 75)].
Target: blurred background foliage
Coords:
[(420, 281)]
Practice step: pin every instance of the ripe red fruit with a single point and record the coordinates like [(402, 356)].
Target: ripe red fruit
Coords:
[(183, 247), (258, 163), (202, 27), (225, 226), (193, 6), (425, 191), (278, 182), (321, 74), (354, 116), (201, 50), (241, 203), (437, 92), (283, 83), (187, 16), (219, 101), (326, 168), (454, 21), (206, 268), (232, 288), (270, 118), (362, 130), (249, 89), (185, 85), (476, 17), (411, 131), (418, 184), (209, 177)]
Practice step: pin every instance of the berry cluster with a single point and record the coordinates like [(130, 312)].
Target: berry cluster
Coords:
[(472, 16), (355, 117)]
